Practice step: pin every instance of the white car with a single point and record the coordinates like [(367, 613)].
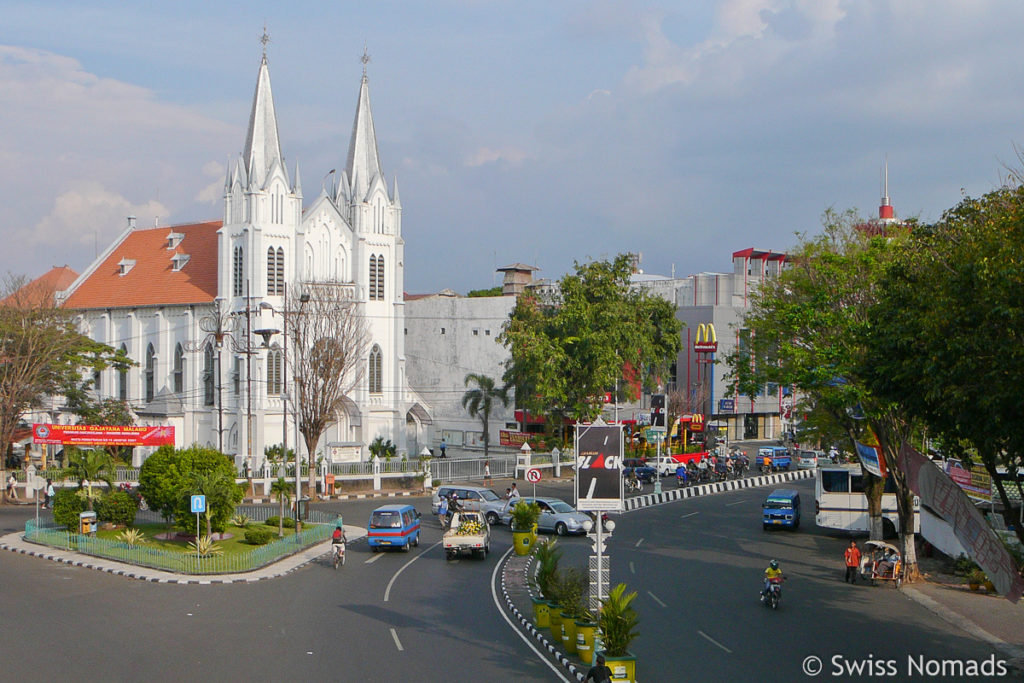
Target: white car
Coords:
[(808, 460)]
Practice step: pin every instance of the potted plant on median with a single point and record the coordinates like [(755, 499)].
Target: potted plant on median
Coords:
[(547, 555), (524, 517), (573, 584), (617, 623)]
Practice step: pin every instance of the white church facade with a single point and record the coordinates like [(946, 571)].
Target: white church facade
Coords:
[(163, 293)]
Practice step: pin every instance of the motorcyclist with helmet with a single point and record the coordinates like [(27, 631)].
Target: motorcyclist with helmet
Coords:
[(772, 572)]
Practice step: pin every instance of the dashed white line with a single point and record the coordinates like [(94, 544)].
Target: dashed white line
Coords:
[(689, 515), (632, 569), (735, 503), (376, 556), (714, 642), (638, 543), (398, 643), (655, 598)]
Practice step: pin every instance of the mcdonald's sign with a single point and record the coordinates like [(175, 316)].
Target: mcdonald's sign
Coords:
[(706, 340), (697, 422)]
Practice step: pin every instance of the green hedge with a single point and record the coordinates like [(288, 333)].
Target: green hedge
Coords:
[(66, 506), (117, 507), (257, 536), (289, 523)]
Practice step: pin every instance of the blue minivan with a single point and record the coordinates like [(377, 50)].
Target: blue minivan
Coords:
[(393, 526), (781, 508)]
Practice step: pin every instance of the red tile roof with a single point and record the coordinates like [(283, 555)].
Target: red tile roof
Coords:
[(152, 281), (39, 292)]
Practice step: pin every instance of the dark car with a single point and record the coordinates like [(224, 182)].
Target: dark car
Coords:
[(643, 473), (634, 462)]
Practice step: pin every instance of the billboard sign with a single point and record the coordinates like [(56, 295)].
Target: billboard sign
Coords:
[(599, 467), (706, 340), (726, 405), (507, 437), (102, 435), (658, 411)]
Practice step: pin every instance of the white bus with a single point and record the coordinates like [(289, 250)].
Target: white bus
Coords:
[(840, 503)]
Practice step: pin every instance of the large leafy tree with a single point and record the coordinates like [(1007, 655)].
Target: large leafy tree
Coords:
[(41, 352), (953, 311), (569, 346), (811, 329), (169, 477), (479, 401)]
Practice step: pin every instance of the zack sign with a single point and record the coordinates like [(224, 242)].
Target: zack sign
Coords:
[(598, 467)]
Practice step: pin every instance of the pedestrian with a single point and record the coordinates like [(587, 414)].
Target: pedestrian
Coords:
[(487, 473), (513, 492), (599, 673), (11, 491), (508, 495), (442, 512), (444, 447), (48, 500), (852, 557)]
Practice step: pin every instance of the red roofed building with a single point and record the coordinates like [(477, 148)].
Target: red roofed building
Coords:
[(158, 292), (42, 291)]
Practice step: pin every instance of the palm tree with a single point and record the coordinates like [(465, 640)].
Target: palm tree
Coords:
[(89, 466), (479, 401), (283, 489)]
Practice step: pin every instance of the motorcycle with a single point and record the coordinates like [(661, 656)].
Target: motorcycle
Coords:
[(773, 594)]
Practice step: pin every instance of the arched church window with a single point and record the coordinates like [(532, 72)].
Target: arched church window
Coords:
[(150, 372), (208, 375), (179, 370), (274, 372), (122, 378), (236, 272), (376, 371)]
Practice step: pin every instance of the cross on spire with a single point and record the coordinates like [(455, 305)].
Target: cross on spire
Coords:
[(365, 59), (264, 39)]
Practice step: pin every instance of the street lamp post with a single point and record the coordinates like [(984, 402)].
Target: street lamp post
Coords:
[(597, 560)]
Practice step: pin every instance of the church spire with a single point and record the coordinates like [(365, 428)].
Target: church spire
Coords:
[(363, 161), (262, 146), (885, 210)]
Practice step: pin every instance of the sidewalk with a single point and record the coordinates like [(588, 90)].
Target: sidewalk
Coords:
[(16, 543)]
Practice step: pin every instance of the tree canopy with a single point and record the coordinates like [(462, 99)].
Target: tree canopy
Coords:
[(169, 477), (479, 401), (569, 347)]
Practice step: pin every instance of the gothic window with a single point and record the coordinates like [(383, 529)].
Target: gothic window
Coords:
[(150, 372), (236, 376), (279, 278), (208, 375), (373, 277), (376, 371), (122, 379), (271, 271), (97, 382), (179, 370), (236, 272), (380, 278), (274, 372)]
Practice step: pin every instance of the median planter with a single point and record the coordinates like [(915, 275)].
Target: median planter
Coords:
[(523, 542), (541, 613), (585, 630), (623, 667), (524, 522), (555, 621), (568, 633)]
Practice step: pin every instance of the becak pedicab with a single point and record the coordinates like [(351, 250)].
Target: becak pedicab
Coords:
[(882, 562)]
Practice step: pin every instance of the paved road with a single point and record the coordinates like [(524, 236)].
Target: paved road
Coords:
[(697, 567), (434, 620)]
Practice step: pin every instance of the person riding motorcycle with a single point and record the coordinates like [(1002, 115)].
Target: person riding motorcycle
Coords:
[(772, 572), (632, 481)]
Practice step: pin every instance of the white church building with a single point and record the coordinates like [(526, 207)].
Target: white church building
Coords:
[(158, 293)]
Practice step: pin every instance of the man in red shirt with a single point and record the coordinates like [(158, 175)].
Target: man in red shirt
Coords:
[(852, 556)]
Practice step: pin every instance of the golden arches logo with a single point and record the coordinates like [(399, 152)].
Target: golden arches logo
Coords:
[(697, 422), (706, 340)]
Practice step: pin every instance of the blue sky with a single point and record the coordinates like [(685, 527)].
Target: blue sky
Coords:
[(540, 132)]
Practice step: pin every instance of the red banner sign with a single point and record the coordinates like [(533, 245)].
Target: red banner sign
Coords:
[(509, 438), (101, 435)]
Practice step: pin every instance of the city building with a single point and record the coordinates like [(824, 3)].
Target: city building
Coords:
[(199, 307)]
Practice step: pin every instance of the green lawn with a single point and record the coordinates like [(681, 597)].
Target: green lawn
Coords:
[(235, 545)]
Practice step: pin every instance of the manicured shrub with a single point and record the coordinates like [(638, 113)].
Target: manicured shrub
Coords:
[(258, 536), (117, 507), (289, 523), (66, 506)]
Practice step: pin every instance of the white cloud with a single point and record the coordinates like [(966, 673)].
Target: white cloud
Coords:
[(88, 213), (488, 155)]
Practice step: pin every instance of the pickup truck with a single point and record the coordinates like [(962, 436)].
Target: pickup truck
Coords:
[(469, 534)]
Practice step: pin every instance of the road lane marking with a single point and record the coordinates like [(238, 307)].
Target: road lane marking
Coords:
[(715, 642), (638, 543), (655, 598), (511, 624), (387, 591), (735, 503), (376, 556), (398, 643), (689, 515), (632, 570)]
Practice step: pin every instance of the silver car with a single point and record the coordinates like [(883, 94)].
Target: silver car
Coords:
[(472, 498), (555, 515)]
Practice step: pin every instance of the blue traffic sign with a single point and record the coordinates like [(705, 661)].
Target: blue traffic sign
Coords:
[(198, 504)]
